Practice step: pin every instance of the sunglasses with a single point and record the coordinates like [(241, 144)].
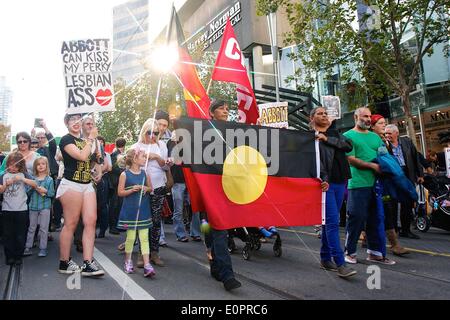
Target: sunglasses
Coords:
[(22, 141), (155, 133)]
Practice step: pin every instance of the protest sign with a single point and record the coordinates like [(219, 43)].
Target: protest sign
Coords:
[(274, 115), (87, 75), (333, 106)]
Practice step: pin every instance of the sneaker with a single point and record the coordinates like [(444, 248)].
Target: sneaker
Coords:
[(27, 252), (163, 243), (350, 259), (128, 266), (101, 235), (328, 265), (114, 231), (68, 267), (344, 271), (231, 284), (42, 253), (184, 239), (90, 269), (156, 260), (149, 271), (381, 260)]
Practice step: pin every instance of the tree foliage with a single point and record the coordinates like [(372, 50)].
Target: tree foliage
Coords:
[(135, 103), (374, 56), (5, 138)]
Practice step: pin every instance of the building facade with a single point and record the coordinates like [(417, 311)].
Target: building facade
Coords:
[(203, 23), (5, 101), (130, 39)]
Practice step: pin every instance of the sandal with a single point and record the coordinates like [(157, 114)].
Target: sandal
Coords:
[(121, 247), (384, 260), (184, 239)]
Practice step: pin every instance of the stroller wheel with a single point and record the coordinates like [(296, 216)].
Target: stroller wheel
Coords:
[(423, 223), (277, 251), (246, 252)]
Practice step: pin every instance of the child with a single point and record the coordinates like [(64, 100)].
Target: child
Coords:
[(135, 216), (14, 184), (40, 205)]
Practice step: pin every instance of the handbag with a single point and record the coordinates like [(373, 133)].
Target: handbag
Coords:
[(166, 212)]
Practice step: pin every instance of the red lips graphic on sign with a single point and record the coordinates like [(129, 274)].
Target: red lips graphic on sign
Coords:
[(103, 97)]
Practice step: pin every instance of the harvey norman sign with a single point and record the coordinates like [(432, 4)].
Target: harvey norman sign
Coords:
[(214, 30)]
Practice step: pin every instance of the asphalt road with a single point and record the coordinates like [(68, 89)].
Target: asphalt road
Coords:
[(424, 274)]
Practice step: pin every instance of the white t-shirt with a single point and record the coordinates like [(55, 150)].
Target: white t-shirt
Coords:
[(154, 170)]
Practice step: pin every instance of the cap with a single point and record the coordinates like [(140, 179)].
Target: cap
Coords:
[(374, 119)]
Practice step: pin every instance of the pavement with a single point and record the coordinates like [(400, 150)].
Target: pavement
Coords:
[(423, 274)]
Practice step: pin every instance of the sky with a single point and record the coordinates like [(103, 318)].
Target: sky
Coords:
[(31, 34)]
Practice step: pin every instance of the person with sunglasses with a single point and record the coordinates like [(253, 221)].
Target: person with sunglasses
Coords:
[(23, 140), (156, 168), (77, 196)]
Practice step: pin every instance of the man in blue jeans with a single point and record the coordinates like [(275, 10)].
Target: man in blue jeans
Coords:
[(221, 267), (362, 206)]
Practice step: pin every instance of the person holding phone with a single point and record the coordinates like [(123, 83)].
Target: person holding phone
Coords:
[(77, 197)]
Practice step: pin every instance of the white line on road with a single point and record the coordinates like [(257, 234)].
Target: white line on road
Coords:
[(124, 281)]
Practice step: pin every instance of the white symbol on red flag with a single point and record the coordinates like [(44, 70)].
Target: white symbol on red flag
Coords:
[(230, 67)]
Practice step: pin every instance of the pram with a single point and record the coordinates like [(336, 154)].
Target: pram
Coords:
[(434, 203), (252, 238)]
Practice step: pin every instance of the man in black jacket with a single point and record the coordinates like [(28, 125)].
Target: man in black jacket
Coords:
[(407, 156), (49, 151)]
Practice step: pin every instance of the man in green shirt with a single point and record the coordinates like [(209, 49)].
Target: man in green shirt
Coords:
[(361, 203)]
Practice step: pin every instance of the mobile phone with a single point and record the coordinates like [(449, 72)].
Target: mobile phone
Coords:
[(37, 122)]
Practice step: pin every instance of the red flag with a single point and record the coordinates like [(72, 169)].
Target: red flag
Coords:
[(197, 101), (230, 67), (197, 104)]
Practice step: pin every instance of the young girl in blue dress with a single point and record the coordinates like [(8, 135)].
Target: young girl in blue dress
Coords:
[(135, 215)]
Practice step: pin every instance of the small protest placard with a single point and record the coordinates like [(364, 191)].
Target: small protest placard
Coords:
[(87, 74), (274, 114), (333, 106)]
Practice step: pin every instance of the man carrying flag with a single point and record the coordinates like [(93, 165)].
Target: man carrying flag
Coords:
[(230, 67), (198, 106)]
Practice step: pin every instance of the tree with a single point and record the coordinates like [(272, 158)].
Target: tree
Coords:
[(5, 138), (326, 37), (135, 103)]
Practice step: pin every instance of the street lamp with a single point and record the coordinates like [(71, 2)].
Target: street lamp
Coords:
[(272, 22)]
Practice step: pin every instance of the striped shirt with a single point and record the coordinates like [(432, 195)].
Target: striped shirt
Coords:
[(38, 202)]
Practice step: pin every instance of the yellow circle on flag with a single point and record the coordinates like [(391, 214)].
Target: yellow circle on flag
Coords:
[(244, 175)]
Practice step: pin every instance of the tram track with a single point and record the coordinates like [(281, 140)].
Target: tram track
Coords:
[(11, 291)]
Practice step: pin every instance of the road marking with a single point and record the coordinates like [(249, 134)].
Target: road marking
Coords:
[(431, 253), (123, 280)]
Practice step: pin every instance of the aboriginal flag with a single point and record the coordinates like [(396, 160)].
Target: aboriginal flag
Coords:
[(251, 175)]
